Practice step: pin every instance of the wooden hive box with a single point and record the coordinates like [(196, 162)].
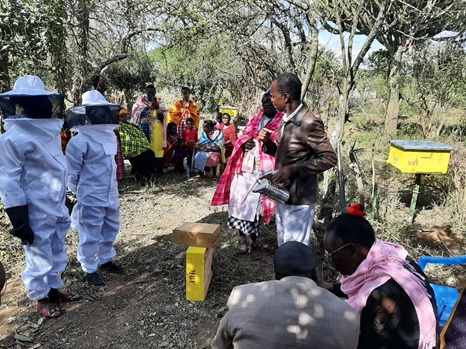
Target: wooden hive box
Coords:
[(198, 272), (419, 156), (197, 234)]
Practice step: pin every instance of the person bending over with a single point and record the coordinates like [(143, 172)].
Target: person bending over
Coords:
[(389, 290), (289, 312)]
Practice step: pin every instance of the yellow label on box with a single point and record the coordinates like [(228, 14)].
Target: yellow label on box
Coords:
[(198, 272)]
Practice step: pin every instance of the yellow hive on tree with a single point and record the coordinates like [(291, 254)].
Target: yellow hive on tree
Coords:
[(198, 272)]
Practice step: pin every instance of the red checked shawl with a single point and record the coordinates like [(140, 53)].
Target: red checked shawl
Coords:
[(222, 194)]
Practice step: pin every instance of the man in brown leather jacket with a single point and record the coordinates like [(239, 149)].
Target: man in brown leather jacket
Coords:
[(302, 151)]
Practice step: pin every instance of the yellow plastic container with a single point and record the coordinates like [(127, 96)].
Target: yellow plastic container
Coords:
[(198, 272), (419, 156), (232, 111)]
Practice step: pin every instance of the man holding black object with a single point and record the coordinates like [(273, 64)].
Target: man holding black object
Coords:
[(302, 151)]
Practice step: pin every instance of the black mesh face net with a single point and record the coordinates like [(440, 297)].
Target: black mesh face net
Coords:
[(33, 107)]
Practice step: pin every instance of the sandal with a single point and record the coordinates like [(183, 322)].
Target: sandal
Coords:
[(214, 180), (197, 178), (51, 313), (56, 296)]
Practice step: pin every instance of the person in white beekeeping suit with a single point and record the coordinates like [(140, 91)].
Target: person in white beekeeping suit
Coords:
[(32, 187), (90, 157)]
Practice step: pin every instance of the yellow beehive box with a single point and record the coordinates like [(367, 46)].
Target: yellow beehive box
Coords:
[(197, 234), (232, 111), (419, 156), (198, 272)]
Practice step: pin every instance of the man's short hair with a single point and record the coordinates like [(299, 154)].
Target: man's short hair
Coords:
[(185, 88), (294, 259), (289, 83), (151, 86)]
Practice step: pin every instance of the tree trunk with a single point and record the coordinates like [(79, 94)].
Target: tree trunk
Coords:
[(81, 67), (393, 107), (4, 72), (312, 60)]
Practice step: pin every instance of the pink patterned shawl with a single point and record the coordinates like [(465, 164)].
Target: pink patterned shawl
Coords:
[(384, 261), (222, 194)]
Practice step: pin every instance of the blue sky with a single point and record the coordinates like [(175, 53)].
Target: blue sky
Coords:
[(332, 42)]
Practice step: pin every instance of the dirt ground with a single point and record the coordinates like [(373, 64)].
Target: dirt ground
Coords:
[(145, 307)]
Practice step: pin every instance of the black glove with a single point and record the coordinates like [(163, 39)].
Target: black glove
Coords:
[(19, 217)]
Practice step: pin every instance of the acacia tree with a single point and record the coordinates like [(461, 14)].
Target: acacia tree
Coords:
[(107, 32), (404, 24), (342, 18), (438, 74)]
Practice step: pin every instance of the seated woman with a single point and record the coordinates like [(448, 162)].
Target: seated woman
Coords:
[(229, 133), (209, 149), (135, 147), (174, 152), (393, 296)]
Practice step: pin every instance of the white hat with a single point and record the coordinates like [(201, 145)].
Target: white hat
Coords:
[(91, 111), (94, 97), (28, 85), (30, 99)]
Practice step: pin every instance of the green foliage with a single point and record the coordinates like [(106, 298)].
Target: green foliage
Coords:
[(208, 69), (33, 36), (131, 75)]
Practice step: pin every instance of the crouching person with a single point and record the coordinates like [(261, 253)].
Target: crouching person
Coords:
[(289, 312), (32, 187), (90, 157)]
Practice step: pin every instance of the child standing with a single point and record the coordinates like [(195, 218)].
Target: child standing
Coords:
[(90, 158), (189, 139), (32, 187)]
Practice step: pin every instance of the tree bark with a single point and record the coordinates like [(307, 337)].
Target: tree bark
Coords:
[(393, 108), (4, 73), (81, 67), (312, 60)]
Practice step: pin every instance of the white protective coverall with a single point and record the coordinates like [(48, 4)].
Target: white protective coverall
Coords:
[(33, 173), (90, 157)]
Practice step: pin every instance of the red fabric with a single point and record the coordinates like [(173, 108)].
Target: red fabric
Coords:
[(222, 193), (190, 135), (119, 159), (214, 159), (229, 133), (356, 210)]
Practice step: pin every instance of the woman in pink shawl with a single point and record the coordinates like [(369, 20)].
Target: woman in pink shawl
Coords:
[(392, 294), (247, 161)]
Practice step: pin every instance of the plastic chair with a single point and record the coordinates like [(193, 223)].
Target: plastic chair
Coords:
[(445, 296)]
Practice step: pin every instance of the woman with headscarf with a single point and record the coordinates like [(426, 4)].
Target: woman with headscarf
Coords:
[(209, 149), (247, 161), (389, 290)]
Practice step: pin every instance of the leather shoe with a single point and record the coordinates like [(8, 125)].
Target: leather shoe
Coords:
[(95, 279), (112, 268)]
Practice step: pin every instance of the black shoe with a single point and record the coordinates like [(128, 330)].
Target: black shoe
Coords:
[(112, 268), (95, 279)]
